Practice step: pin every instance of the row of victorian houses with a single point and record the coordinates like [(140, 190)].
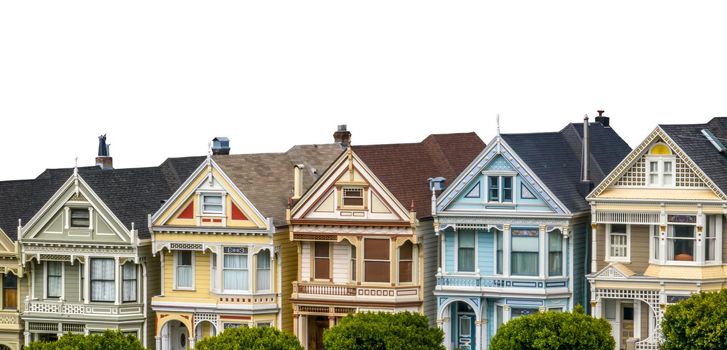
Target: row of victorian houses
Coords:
[(470, 235)]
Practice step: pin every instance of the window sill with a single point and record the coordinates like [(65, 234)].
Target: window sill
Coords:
[(686, 263), (182, 289), (618, 260)]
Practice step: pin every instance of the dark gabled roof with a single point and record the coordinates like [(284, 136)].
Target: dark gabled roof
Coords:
[(130, 193), (690, 139), (266, 179), (555, 157), (406, 167)]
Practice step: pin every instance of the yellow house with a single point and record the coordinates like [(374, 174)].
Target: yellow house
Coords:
[(658, 229), (222, 238)]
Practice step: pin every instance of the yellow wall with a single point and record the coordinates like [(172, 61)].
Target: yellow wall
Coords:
[(201, 290), (289, 263)]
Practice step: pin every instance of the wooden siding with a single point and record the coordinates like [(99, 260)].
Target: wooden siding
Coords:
[(153, 271), (429, 246), (449, 252), (341, 262), (486, 252), (305, 268), (71, 282), (639, 248), (600, 247), (288, 261), (38, 291), (201, 277)]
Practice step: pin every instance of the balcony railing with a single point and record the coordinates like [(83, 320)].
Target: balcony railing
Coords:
[(77, 308), (486, 282), (350, 292)]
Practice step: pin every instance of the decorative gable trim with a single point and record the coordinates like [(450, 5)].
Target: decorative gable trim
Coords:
[(170, 207), (495, 148), (80, 189), (632, 158), (614, 271)]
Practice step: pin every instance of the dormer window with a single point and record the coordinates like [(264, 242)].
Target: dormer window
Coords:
[(660, 166), (80, 218), (212, 204), (499, 188), (353, 197)]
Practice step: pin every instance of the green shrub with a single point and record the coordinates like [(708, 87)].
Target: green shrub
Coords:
[(554, 330), (258, 338), (109, 340), (384, 331), (699, 322)]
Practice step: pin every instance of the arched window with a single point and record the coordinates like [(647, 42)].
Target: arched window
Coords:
[(660, 166)]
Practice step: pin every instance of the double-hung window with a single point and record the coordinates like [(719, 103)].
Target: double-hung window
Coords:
[(10, 292), (499, 237), (681, 243), (102, 280), (262, 281), (499, 189), (184, 270), (660, 166), (405, 262), (618, 242), (525, 253), (655, 246), (466, 251), (54, 279), (555, 253), (129, 282), (235, 270), (322, 260), (710, 238), (212, 204), (376, 260)]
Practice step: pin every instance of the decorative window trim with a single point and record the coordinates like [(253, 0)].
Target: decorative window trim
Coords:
[(525, 189), (627, 258), (313, 261), (364, 197), (476, 188), (174, 270), (513, 188), (45, 280), (389, 261), (223, 203), (456, 255), (353, 263), (243, 251), (660, 159)]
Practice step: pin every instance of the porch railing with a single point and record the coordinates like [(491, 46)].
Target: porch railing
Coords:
[(77, 308), (497, 282), (337, 290)]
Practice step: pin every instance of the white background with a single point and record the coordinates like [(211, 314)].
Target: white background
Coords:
[(164, 78)]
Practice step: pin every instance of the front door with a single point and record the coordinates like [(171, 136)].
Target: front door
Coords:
[(465, 327), (316, 326), (627, 323), (178, 336)]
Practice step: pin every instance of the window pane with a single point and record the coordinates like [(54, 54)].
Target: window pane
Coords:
[(129, 282), (322, 249), (405, 251), (263, 270), (507, 189), (467, 239), (102, 280), (618, 228), (555, 241), (524, 263), (322, 268), (235, 279), (79, 217), (498, 267), (10, 291), (466, 260), (353, 196), (185, 258), (377, 249), (493, 188), (405, 271), (376, 271), (212, 203), (525, 244), (54, 272), (555, 263), (235, 261)]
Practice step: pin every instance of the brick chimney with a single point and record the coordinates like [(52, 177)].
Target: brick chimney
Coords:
[(104, 159), (342, 136)]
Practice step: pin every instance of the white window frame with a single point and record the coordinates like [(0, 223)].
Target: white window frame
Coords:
[(223, 200), (391, 262), (660, 159), (456, 255), (114, 279), (45, 280), (563, 250), (270, 271), (627, 258), (414, 272), (248, 269), (513, 187), (354, 188), (136, 282), (194, 268)]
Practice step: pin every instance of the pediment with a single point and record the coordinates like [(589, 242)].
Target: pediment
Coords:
[(614, 271)]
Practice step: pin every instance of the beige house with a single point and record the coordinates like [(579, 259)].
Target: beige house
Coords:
[(658, 229)]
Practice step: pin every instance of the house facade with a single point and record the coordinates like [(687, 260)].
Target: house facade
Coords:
[(658, 229), (513, 229), (226, 260), (360, 240), (85, 249)]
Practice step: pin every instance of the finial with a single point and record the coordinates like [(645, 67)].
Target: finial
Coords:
[(209, 150), (498, 124), (412, 206), (75, 166)]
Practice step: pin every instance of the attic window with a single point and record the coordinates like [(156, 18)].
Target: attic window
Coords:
[(212, 204), (660, 166), (80, 218), (353, 197)]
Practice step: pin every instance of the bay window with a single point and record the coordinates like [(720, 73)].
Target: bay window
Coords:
[(215, 284), (710, 238), (235, 270), (353, 263), (525, 253), (54, 279), (655, 246), (102, 280), (322, 261), (263, 270), (466, 251), (128, 273), (184, 270), (405, 262), (555, 253), (376, 260)]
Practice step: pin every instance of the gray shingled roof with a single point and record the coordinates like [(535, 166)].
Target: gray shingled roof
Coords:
[(266, 179), (689, 137), (130, 193), (555, 157)]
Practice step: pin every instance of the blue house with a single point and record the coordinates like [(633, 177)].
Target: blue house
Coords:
[(514, 229)]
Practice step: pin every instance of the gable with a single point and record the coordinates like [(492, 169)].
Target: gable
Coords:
[(498, 181), (75, 214), (209, 199), (644, 175), (349, 191)]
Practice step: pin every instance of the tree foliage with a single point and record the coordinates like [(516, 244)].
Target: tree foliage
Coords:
[(109, 340), (699, 322), (384, 331), (258, 338), (554, 330)]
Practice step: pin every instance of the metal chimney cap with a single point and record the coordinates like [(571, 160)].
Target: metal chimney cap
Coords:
[(436, 183)]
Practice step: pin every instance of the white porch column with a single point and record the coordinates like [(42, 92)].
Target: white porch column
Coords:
[(117, 283), (478, 333), (86, 278), (158, 341), (483, 336), (447, 328), (637, 319), (191, 342)]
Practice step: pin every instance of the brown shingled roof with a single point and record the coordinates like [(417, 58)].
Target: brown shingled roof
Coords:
[(266, 179), (405, 168)]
